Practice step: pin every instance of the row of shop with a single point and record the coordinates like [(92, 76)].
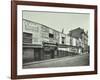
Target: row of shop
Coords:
[(44, 52), (41, 42)]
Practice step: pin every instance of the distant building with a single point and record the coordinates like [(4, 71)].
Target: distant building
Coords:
[(78, 40)]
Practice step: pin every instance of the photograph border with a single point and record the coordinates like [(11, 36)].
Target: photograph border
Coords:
[(14, 38)]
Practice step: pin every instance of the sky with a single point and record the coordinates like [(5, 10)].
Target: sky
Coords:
[(58, 20)]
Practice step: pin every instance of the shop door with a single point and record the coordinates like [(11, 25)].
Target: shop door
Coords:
[(47, 55), (28, 55), (37, 55), (52, 54)]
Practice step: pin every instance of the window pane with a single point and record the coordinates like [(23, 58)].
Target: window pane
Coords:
[(51, 35)]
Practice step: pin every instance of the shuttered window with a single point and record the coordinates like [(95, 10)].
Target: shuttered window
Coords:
[(27, 37)]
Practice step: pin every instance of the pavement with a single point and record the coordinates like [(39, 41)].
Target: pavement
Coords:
[(78, 60)]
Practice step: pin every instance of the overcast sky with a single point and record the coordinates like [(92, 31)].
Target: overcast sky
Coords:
[(58, 21)]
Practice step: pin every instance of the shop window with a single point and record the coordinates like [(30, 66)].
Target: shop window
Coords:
[(27, 37)]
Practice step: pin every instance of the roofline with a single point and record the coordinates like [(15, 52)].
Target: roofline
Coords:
[(76, 29), (43, 25)]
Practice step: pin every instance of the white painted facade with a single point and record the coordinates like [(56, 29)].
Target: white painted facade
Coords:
[(62, 35), (34, 29), (40, 33), (67, 40)]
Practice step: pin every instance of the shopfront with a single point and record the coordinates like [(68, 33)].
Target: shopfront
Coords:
[(32, 53), (50, 50)]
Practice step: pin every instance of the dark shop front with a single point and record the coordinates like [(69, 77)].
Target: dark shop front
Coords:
[(32, 53), (50, 50)]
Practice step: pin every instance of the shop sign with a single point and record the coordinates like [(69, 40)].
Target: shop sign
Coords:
[(31, 27), (63, 49)]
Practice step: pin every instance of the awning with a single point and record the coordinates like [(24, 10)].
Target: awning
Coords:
[(48, 48), (32, 46), (63, 49)]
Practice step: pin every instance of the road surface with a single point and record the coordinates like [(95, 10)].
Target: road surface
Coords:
[(79, 60)]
